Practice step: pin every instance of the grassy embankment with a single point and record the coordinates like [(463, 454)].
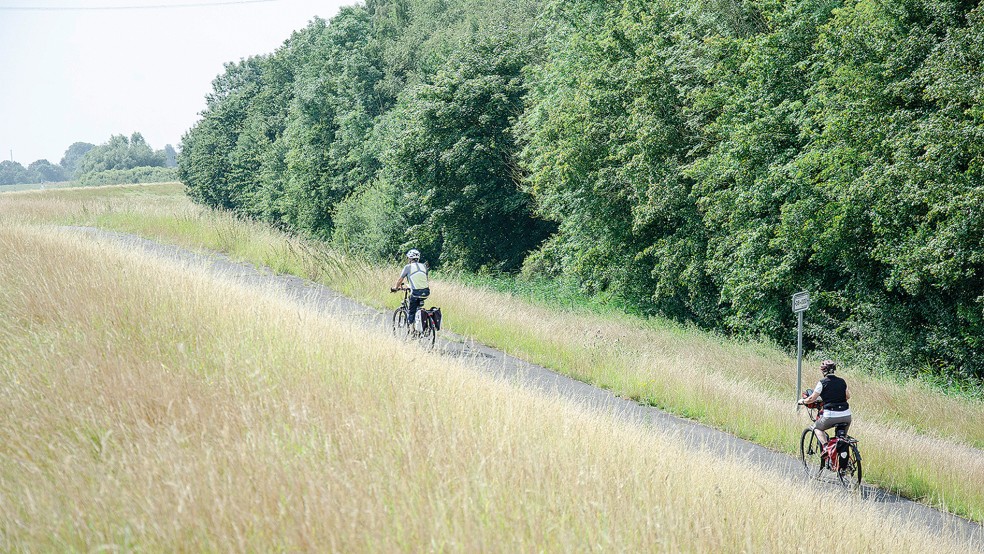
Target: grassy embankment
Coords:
[(150, 406), (915, 441)]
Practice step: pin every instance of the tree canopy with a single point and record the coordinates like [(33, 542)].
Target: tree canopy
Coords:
[(702, 160), (118, 154), (120, 160)]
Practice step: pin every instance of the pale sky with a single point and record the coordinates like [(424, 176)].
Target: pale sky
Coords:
[(71, 75)]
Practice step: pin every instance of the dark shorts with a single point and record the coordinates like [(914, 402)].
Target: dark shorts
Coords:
[(416, 299)]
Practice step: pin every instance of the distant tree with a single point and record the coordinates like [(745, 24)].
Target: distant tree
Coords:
[(120, 153), (72, 156), (170, 156), (47, 172), (12, 173)]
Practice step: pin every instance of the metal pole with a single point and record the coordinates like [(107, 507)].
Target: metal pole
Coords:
[(799, 358)]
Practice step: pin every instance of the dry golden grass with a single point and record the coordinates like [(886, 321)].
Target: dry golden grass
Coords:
[(150, 406), (916, 441), (743, 389)]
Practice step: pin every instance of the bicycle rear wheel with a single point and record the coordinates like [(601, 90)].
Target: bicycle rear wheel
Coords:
[(427, 334), (811, 453), (850, 474)]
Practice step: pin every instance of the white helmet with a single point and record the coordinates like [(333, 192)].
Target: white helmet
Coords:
[(413, 254)]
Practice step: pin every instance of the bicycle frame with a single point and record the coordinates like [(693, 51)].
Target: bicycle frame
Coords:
[(851, 474), (401, 318)]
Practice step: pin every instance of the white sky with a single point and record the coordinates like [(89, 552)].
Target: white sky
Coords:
[(84, 75)]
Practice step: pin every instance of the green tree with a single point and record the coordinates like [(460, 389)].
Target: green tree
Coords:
[(47, 172), (170, 156), (456, 159), (12, 173), (206, 165), (898, 221), (119, 153), (702, 160), (73, 154), (604, 138)]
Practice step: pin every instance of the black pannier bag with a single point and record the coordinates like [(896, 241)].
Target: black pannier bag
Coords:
[(434, 314)]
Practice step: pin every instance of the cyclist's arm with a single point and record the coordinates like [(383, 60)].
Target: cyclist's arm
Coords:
[(812, 398), (847, 394), (403, 275)]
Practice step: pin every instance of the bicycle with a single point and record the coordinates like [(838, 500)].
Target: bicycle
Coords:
[(840, 455), (401, 318)]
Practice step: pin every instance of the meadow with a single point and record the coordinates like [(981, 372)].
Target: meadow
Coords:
[(916, 441), (151, 406)]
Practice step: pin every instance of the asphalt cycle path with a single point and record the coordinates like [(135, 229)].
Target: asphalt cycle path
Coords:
[(502, 365)]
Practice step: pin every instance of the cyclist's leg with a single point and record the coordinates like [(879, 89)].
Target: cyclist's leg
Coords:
[(820, 429), (416, 300), (414, 304)]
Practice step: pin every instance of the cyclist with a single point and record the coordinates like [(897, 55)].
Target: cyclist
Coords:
[(415, 274), (833, 391)]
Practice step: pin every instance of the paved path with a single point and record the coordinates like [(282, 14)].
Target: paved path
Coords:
[(535, 377)]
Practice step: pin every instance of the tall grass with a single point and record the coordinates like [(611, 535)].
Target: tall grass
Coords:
[(151, 406), (915, 441)]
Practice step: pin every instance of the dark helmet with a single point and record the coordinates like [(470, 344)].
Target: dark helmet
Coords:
[(828, 367)]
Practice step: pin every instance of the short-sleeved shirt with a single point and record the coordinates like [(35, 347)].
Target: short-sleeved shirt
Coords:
[(416, 275)]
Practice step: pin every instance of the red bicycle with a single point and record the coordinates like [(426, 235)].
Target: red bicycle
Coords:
[(840, 455)]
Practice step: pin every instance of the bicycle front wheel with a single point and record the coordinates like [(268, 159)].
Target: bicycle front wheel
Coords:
[(850, 474), (811, 453), (400, 322)]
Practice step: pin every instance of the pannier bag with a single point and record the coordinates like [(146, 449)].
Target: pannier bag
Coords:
[(836, 451), (434, 318)]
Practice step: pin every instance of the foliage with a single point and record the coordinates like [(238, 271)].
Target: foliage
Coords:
[(145, 174), (40, 171), (455, 160), (170, 156), (73, 155), (12, 173), (368, 221), (701, 160), (47, 172), (119, 153)]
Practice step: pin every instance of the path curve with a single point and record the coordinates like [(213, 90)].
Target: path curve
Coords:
[(501, 364)]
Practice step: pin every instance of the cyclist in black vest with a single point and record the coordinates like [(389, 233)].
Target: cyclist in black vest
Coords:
[(833, 391)]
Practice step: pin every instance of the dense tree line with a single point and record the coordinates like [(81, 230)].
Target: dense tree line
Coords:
[(702, 160), (39, 171), (120, 157)]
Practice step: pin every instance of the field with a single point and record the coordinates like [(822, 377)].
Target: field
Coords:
[(35, 186), (159, 407)]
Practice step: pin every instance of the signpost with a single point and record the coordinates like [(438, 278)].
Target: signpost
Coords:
[(801, 303)]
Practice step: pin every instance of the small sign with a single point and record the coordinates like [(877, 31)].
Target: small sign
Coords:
[(801, 301)]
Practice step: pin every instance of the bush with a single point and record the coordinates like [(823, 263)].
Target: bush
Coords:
[(127, 176)]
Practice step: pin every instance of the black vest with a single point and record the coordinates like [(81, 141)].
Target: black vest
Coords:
[(834, 393)]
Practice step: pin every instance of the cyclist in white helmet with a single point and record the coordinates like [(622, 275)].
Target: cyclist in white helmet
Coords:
[(415, 273)]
